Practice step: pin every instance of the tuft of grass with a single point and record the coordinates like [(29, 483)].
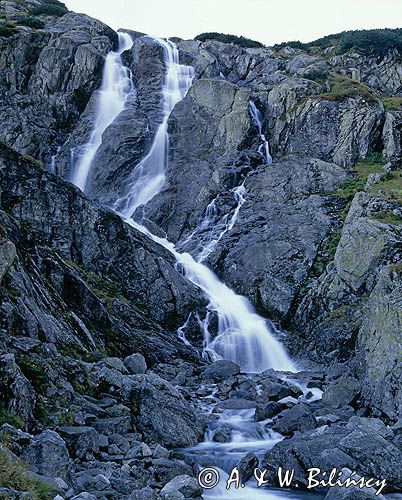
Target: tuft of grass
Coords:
[(34, 372), (392, 103), (7, 29), (390, 187), (325, 255), (387, 218), (369, 165), (49, 8), (32, 22), (14, 476), (6, 417), (344, 88)]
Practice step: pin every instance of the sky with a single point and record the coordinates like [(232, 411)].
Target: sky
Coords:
[(268, 21)]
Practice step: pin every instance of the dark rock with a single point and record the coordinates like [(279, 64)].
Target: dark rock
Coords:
[(222, 435), (269, 410), (298, 418), (80, 441), (47, 455), (246, 466), (136, 364), (161, 413), (221, 370), (341, 392)]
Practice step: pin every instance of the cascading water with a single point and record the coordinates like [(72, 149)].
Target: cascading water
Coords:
[(243, 336), (116, 87), (257, 120), (148, 176)]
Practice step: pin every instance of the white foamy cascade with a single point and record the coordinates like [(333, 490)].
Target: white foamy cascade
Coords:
[(210, 230), (148, 176), (257, 120), (116, 87), (243, 336)]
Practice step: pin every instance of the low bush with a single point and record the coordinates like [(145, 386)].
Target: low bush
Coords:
[(15, 476), (49, 8), (376, 42), (343, 88), (392, 103), (6, 29), (32, 22), (241, 41)]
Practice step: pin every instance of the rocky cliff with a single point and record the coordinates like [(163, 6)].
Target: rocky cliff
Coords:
[(97, 390)]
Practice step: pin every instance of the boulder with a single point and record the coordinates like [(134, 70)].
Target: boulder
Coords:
[(135, 364), (298, 418), (246, 466), (81, 441), (341, 392), (47, 455), (269, 410), (187, 486), (221, 370)]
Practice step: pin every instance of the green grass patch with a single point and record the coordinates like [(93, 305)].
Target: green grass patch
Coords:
[(390, 187), (344, 88), (15, 476), (392, 103), (369, 165), (6, 417), (7, 29), (325, 255), (32, 22), (34, 372), (241, 41), (387, 218), (49, 8)]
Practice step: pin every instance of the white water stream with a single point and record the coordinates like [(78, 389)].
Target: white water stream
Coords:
[(243, 336), (264, 147), (116, 87)]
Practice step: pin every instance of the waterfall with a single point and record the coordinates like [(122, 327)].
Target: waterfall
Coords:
[(243, 336), (257, 120), (116, 87), (148, 176)]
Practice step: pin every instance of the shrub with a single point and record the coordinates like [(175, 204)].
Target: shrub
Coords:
[(32, 22), (241, 41), (15, 477), (7, 417), (6, 29), (392, 103), (49, 9), (376, 42), (342, 88), (317, 75), (294, 44)]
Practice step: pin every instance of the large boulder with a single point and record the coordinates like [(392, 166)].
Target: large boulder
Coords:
[(161, 413)]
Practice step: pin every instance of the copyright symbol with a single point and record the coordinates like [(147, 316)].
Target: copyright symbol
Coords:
[(208, 478)]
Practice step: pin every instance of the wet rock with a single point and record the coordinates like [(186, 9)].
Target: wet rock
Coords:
[(341, 392), (222, 435), (187, 486), (269, 410), (7, 256), (246, 466), (221, 370), (298, 418), (136, 364)]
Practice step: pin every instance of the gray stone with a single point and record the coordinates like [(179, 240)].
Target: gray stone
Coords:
[(221, 370), (136, 364), (187, 486), (341, 392), (298, 418)]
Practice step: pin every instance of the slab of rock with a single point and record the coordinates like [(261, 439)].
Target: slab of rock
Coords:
[(298, 418), (186, 485), (341, 392), (221, 370)]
